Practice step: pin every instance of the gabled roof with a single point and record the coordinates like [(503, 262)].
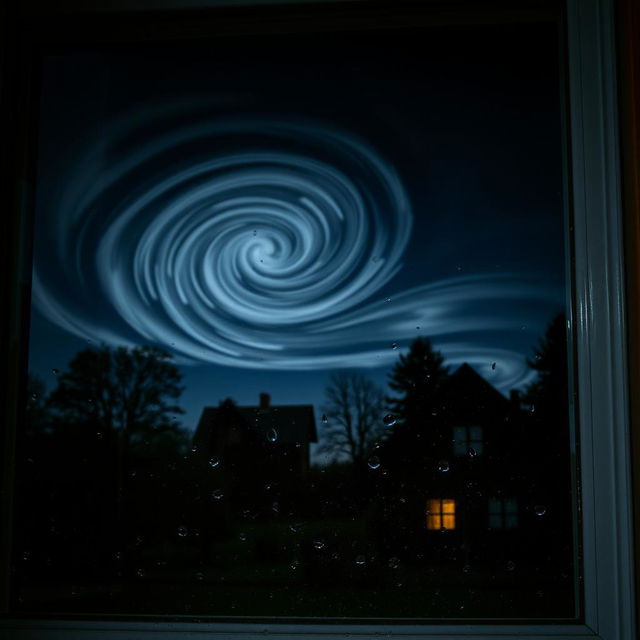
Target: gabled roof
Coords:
[(468, 390), (292, 423)]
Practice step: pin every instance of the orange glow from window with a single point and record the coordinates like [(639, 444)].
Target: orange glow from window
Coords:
[(441, 514)]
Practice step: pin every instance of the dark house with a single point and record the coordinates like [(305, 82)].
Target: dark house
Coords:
[(264, 435), (472, 479)]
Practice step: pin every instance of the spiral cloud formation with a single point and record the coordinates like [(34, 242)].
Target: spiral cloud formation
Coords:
[(255, 244)]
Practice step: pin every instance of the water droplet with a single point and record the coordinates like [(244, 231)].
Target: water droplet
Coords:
[(387, 299), (493, 366), (34, 396), (418, 327), (242, 536), (539, 510), (194, 449), (394, 563), (466, 568), (218, 494), (26, 556), (532, 408), (295, 564), (200, 575), (295, 527), (318, 544), (389, 420), (275, 507), (374, 462), (140, 573), (394, 345), (443, 466), (360, 560), (272, 435), (183, 531), (511, 565), (214, 462), (55, 371), (324, 418), (472, 453)]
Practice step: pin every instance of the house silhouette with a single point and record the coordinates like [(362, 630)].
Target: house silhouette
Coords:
[(277, 436)]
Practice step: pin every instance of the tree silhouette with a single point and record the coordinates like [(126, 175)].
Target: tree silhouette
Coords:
[(114, 436), (126, 392), (354, 413), (549, 392), (418, 377), (548, 439)]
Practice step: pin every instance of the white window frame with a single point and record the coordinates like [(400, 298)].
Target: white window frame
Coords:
[(599, 332)]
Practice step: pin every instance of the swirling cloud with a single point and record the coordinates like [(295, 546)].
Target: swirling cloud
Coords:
[(256, 244)]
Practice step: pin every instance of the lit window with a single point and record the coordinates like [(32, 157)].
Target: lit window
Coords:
[(441, 514), (467, 440), (503, 514)]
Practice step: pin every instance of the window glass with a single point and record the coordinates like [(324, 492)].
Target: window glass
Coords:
[(298, 334)]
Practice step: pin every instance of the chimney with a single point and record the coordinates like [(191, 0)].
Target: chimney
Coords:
[(265, 399)]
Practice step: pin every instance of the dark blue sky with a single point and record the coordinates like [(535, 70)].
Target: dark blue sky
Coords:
[(465, 125)]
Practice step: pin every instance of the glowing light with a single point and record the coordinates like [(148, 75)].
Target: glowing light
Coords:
[(441, 514)]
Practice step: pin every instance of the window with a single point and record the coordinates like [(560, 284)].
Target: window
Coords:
[(597, 330), (503, 513), (441, 514), (467, 441)]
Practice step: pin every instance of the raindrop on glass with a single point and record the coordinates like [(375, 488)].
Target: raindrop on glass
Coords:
[(389, 420), (214, 462), (493, 366), (466, 568), (511, 565), (539, 510), (318, 545), (242, 536), (140, 573), (443, 466), (55, 371), (200, 575), (182, 531), (295, 564), (324, 418), (217, 494), (374, 462), (394, 563), (275, 507), (394, 345), (272, 435), (360, 560), (472, 453)]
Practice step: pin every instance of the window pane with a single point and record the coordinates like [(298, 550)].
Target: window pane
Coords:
[(268, 291)]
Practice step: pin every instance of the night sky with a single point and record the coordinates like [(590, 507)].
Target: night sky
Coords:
[(272, 210)]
